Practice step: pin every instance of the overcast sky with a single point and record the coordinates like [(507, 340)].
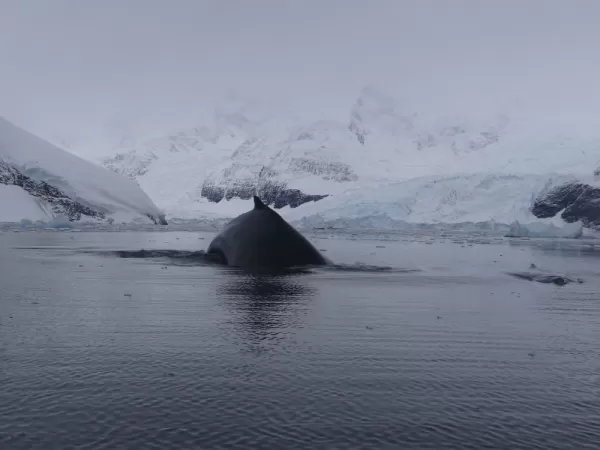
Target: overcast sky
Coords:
[(67, 64)]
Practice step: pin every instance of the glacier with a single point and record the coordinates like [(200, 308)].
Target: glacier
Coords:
[(39, 182), (16, 204), (470, 198), (386, 162)]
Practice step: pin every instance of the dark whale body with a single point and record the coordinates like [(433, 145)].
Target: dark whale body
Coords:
[(261, 238)]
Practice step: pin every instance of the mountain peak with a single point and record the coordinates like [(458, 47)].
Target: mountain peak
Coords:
[(377, 112)]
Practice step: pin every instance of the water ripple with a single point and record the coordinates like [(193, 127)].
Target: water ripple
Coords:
[(105, 353)]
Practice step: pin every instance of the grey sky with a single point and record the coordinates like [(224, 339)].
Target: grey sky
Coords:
[(81, 63)]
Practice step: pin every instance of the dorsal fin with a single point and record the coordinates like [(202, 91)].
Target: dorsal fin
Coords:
[(258, 204)]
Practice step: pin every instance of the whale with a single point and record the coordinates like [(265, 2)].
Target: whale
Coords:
[(262, 239)]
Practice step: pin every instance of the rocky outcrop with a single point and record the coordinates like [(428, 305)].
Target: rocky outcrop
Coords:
[(335, 171), (577, 201), (273, 193), (130, 164), (280, 197), (159, 220), (60, 203), (263, 182), (559, 280)]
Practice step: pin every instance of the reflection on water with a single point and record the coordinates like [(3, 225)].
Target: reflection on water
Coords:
[(265, 308)]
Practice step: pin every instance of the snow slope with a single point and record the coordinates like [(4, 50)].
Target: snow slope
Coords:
[(385, 158), (60, 183), (16, 204)]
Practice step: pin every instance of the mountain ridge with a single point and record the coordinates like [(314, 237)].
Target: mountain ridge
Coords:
[(244, 148), (55, 183), (300, 161)]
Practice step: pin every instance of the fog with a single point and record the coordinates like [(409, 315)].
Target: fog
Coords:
[(83, 68)]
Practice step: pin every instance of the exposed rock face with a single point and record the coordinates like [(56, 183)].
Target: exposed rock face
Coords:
[(60, 203), (271, 192), (577, 201), (130, 164), (280, 197), (263, 182), (559, 280), (335, 171)]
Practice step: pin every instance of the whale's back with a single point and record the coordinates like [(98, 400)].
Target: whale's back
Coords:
[(262, 238)]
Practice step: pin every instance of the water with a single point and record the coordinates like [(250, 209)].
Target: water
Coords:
[(441, 350)]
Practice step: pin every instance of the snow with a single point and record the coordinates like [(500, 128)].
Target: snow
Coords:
[(544, 230), (473, 198), (16, 204), (389, 163), (493, 201), (89, 184)]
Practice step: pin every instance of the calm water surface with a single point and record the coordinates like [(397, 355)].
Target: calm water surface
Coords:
[(448, 352)]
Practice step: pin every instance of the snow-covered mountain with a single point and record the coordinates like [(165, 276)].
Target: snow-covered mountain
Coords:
[(386, 157), (41, 182)]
